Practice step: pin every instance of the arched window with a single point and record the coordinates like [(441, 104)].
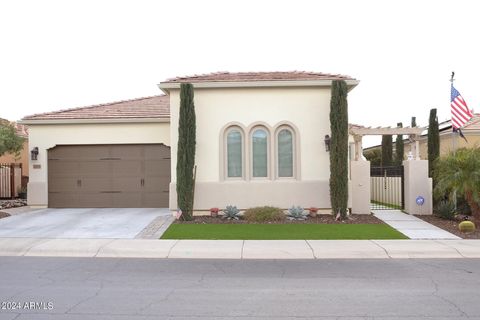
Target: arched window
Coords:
[(285, 153), (234, 153), (260, 153)]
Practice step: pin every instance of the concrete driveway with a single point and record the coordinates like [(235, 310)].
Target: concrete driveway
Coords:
[(124, 223)]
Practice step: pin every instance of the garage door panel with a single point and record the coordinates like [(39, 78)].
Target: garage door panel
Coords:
[(154, 199), (109, 176), (127, 152), (127, 184), (95, 184), (62, 168), (156, 184), (157, 152), (157, 168), (129, 168), (94, 168), (62, 184), (93, 152), (63, 200)]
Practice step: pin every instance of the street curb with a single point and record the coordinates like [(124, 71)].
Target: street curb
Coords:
[(241, 249)]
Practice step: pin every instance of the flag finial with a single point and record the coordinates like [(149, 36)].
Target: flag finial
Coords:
[(453, 75)]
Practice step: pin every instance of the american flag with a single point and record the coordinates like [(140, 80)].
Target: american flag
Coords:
[(460, 112)]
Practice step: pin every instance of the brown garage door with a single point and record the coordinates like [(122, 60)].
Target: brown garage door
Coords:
[(109, 176)]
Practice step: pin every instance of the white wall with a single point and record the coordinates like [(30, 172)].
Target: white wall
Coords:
[(47, 136), (305, 107)]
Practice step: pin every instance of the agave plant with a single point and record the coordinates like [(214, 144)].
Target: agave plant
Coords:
[(297, 213), (231, 213)]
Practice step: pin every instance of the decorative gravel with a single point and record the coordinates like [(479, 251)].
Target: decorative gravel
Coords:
[(451, 226)]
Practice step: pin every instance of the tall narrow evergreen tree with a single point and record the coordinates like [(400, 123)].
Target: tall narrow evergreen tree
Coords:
[(414, 122), (399, 147), (387, 152), (433, 142), (339, 148), (186, 151)]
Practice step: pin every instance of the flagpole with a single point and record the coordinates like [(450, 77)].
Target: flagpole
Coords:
[(454, 140), (455, 133)]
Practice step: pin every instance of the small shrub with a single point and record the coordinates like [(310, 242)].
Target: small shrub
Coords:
[(445, 210), (264, 214), (231, 213), (297, 213)]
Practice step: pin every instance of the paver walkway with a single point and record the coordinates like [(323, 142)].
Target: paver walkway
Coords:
[(413, 227)]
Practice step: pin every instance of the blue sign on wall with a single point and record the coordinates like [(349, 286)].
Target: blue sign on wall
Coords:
[(420, 200)]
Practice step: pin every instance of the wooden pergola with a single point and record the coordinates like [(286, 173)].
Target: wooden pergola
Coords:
[(359, 131)]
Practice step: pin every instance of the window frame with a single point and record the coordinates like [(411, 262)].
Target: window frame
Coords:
[(225, 152), (294, 152), (269, 157)]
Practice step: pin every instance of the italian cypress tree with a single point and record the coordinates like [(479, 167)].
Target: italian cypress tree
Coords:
[(399, 147), (186, 151), (433, 141), (339, 148), (387, 152)]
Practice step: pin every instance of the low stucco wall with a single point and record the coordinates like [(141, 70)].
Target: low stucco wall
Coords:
[(244, 195), (47, 136)]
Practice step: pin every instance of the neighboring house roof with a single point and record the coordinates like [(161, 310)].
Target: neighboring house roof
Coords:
[(21, 130), (146, 107), (258, 76)]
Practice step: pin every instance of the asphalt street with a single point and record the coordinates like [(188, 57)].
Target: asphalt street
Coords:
[(105, 288)]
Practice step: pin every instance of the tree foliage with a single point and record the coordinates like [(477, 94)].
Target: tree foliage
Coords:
[(374, 156), (387, 150), (399, 147), (414, 122), (433, 142), (10, 142), (458, 174), (339, 148), (186, 151)]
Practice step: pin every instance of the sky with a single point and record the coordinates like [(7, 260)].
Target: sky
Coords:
[(63, 54)]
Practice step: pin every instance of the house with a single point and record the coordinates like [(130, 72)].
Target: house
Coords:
[(22, 131), (260, 141)]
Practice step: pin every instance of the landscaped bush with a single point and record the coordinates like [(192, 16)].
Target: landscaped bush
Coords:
[(264, 214), (446, 210), (231, 213), (297, 213)]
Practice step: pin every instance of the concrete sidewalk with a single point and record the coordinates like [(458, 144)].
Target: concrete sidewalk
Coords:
[(413, 227), (240, 249)]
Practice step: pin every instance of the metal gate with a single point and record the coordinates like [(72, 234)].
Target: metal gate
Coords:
[(387, 188)]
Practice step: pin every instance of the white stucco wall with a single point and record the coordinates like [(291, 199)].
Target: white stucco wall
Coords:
[(307, 108), (46, 136)]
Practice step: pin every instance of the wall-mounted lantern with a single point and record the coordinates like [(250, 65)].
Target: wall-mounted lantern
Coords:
[(327, 142), (34, 153)]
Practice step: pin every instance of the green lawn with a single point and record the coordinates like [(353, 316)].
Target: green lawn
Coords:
[(281, 232)]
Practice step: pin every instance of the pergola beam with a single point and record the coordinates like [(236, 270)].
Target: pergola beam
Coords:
[(386, 131)]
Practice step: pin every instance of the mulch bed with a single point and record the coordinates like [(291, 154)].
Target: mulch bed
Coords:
[(450, 226), (319, 219), (4, 215)]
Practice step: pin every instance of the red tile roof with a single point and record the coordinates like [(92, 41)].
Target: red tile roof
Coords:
[(20, 129), (147, 107), (258, 76)]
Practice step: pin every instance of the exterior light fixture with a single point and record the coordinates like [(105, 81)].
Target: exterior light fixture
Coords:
[(327, 142), (34, 153)]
